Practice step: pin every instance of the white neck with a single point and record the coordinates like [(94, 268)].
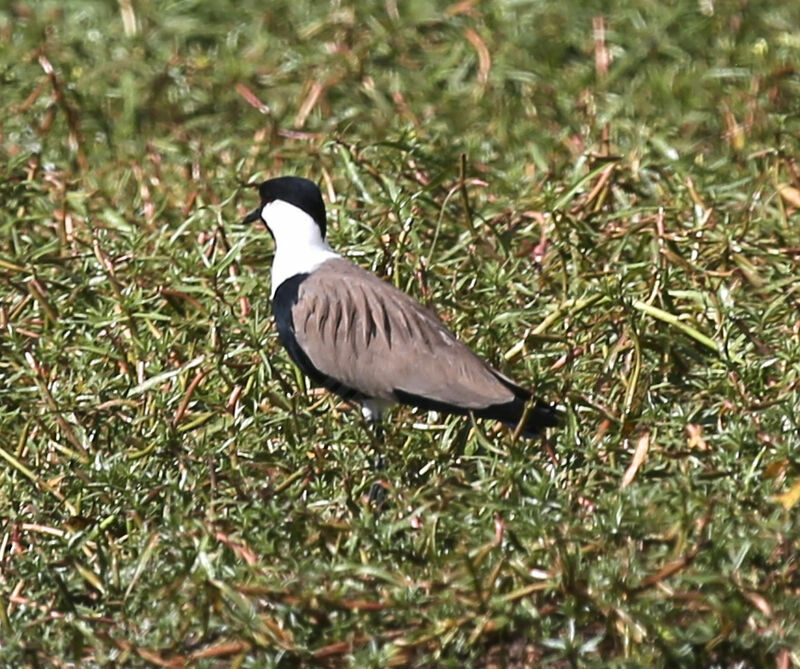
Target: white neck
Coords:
[(299, 246)]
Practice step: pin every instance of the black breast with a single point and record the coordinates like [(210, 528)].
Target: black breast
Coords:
[(283, 302)]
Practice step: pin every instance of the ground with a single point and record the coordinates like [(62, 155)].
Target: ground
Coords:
[(602, 201)]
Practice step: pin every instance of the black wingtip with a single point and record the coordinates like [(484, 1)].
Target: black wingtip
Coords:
[(541, 416)]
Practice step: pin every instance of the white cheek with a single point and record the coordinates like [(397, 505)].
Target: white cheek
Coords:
[(269, 221), (299, 247)]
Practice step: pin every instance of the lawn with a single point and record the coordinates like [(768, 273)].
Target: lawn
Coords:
[(603, 199)]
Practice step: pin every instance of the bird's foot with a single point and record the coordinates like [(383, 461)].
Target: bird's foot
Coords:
[(377, 494)]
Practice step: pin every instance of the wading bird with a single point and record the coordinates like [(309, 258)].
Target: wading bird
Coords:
[(364, 339)]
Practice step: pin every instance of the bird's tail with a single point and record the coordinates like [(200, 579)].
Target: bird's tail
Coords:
[(537, 416)]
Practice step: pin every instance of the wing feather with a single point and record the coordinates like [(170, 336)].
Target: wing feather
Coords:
[(379, 341)]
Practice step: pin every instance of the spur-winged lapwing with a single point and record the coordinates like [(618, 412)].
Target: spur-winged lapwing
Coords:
[(365, 340)]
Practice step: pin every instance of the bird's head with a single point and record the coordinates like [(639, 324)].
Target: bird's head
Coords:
[(291, 208)]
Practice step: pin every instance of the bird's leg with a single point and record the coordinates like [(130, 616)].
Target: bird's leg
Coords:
[(378, 436), (373, 414)]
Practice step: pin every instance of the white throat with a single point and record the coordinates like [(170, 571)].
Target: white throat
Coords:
[(299, 246)]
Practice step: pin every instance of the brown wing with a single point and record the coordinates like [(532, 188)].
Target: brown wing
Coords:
[(377, 340)]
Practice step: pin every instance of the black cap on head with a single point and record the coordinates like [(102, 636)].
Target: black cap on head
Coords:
[(302, 193)]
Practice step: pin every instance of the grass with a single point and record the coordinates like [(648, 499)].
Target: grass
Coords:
[(602, 201)]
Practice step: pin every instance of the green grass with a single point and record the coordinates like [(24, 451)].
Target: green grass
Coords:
[(624, 239)]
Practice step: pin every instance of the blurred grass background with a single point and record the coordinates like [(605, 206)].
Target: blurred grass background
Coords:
[(601, 198)]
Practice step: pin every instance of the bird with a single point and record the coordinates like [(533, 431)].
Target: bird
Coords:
[(363, 339)]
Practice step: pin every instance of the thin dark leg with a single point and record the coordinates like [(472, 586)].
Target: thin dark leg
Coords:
[(377, 492), (379, 439)]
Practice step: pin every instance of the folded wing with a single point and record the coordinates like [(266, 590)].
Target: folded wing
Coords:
[(366, 339)]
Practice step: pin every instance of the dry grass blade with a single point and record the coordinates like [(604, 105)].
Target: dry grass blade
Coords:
[(639, 456)]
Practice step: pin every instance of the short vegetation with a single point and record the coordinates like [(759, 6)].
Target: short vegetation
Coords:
[(600, 198)]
